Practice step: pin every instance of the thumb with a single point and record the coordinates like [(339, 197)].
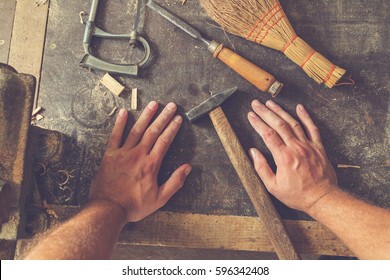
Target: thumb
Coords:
[(262, 167), (173, 184)]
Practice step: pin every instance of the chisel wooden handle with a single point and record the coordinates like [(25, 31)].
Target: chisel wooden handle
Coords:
[(253, 74), (256, 190)]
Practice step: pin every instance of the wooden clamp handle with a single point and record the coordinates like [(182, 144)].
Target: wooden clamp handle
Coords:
[(254, 187), (253, 74)]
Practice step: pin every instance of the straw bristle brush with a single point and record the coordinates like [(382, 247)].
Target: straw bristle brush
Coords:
[(264, 22)]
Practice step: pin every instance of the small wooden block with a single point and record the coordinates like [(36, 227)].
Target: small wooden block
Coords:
[(112, 112), (39, 117), (346, 166), (112, 84), (134, 97)]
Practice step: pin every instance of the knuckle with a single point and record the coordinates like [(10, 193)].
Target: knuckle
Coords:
[(269, 134), (154, 131), (136, 132), (295, 125), (164, 140), (302, 151), (282, 124), (148, 168)]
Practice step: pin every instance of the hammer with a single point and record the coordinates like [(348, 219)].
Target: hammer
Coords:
[(255, 188)]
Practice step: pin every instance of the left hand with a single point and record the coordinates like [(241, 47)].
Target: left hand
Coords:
[(128, 174)]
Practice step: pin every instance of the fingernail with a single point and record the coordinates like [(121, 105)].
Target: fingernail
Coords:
[(257, 103), (252, 115), (152, 105), (260, 107), (178, 119), (188, 170), (122, 113), (271, 103), (171, 106), (301, 108), (253, 153)]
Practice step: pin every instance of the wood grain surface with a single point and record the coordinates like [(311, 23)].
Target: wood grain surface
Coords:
[(237, 233), (249, 71), (28, 39)]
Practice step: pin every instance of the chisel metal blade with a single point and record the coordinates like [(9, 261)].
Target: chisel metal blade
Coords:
[(177, 21)]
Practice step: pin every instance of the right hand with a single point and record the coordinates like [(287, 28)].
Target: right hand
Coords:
[(304, 174)]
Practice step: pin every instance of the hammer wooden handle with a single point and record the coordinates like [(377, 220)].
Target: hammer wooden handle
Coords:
[(254, 187), (253, 74)]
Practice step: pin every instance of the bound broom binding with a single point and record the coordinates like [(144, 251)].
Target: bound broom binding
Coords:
[(264, 22)]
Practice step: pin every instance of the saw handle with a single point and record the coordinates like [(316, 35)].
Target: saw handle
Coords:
[(253, 74), (256, 190)]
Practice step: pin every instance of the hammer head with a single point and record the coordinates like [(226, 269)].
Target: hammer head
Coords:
[(210, 104)]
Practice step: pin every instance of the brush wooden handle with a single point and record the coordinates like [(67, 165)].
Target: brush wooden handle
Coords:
[(253, 74), (256, 190)]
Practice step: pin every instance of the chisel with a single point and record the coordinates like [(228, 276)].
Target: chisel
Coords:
[(255, 75)]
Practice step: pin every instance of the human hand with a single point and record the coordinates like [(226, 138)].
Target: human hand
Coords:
[(127, 176), (304, 174)]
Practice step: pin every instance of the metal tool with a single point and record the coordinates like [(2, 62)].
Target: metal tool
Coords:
[(255, 75), (91, 30), (256, 190)]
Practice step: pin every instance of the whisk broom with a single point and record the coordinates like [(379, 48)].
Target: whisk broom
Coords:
[(264, 22)]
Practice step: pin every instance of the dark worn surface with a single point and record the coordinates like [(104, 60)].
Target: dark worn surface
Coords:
[(354, 120), (16, 97), (7, 11)]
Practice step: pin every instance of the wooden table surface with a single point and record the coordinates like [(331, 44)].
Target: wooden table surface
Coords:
[(354, 121)]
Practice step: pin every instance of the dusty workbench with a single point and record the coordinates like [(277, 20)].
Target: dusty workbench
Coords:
[(354, 121)]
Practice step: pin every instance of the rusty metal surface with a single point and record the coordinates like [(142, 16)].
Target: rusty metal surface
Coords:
[(354, 121)]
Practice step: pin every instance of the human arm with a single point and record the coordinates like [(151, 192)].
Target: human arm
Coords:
[(306, 181), (124, 189)]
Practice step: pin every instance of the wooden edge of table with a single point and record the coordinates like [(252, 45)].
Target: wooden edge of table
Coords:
[(229, 233), (199, 231)]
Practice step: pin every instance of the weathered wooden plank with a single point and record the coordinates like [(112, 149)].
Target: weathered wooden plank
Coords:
[(228, 232), (136, 252), (139, 252), (7, 11), (167, 229), (28, 38)]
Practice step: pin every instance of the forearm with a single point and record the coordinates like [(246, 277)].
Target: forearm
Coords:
[(91, 234), (364, 228)]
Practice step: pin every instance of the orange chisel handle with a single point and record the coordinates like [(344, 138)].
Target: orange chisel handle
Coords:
[(260, 78)]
